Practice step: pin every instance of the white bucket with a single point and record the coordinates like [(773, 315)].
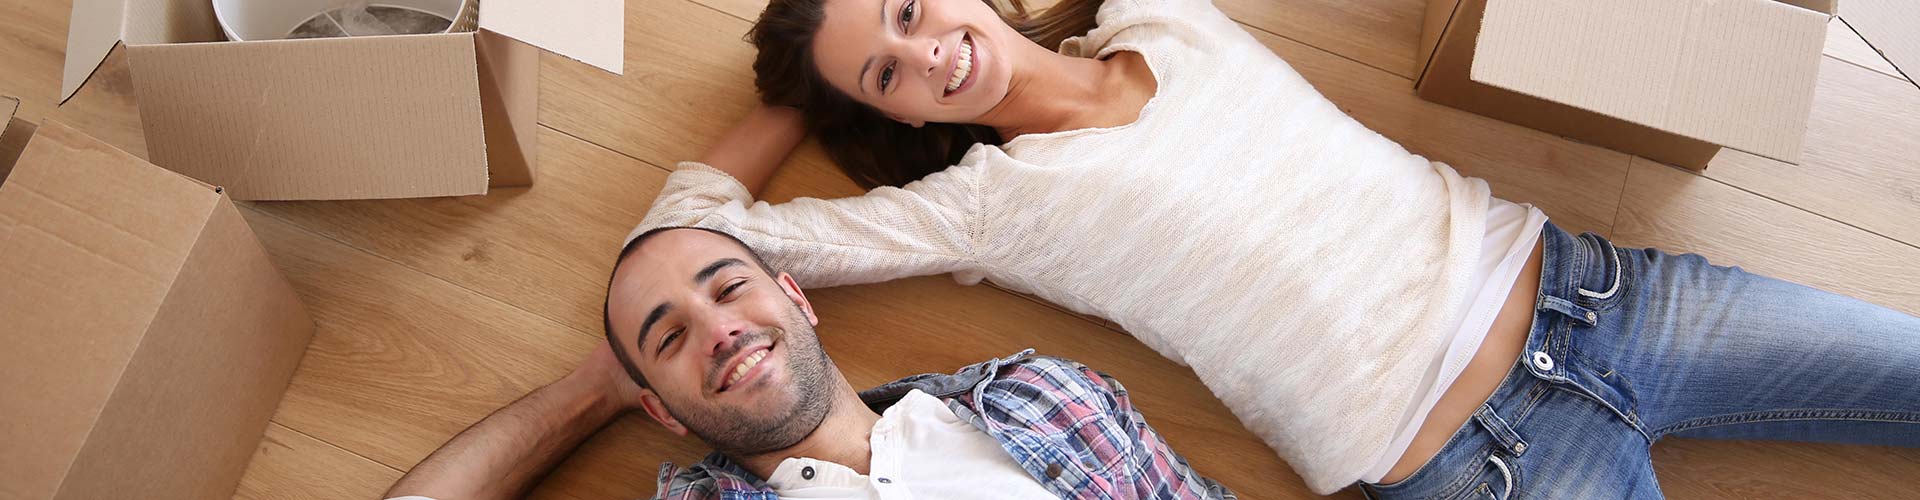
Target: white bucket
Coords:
[(244, 20)]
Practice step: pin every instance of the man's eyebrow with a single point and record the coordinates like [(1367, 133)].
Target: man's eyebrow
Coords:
[(645, 326), (707, 273)]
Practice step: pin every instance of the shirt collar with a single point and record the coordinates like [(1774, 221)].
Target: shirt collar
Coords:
[(727, 475)]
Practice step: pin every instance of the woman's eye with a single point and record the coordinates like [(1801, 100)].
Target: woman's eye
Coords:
[(906, 15), (886, 76)]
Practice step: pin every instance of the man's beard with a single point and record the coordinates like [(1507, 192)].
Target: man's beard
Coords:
[(736, 433)]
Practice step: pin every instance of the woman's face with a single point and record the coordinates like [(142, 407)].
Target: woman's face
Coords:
[(917, 60)]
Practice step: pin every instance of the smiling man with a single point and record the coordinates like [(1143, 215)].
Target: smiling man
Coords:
[(709, 341)]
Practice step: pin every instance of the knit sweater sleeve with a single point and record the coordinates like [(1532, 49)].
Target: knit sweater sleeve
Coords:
[(926, 227), (1196, 24)]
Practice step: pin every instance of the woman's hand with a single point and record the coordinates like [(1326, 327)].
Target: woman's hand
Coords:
[(756, 146)]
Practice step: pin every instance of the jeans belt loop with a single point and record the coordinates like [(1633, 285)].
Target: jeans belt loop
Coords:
[(1569, 309), (1501, 432)]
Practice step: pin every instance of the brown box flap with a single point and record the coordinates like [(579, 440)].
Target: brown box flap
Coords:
[(589, 31), (94, 238), (209, 375), (1738, 73), (334, 118), (99, 25), (13, 137), (1891, 27), (91, 35)]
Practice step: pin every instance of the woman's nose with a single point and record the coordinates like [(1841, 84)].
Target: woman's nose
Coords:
[(933, 55)]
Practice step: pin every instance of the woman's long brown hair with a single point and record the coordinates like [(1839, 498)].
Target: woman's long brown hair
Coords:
[(871, 148)]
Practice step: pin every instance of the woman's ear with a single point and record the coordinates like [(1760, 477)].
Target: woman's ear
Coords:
[(658, 410)]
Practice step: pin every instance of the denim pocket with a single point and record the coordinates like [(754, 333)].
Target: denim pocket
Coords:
[(1604, 279)]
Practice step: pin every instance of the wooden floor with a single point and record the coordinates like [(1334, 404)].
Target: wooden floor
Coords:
[(433, 312)]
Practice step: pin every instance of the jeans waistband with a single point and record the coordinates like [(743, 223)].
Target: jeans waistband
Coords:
[(1580, 276)]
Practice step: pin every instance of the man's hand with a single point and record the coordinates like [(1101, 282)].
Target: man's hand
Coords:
[(603, 371)]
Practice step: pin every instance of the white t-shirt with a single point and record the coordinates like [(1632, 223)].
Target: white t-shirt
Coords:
[(920, 450), (1512, 231)]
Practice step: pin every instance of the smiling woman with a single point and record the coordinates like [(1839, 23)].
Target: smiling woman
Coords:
[(1359, 307), (909, 73)]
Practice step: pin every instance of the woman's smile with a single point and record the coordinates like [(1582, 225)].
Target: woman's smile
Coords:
[(960, 78)]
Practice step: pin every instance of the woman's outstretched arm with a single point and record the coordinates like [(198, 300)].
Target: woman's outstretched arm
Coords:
[(756, 146)]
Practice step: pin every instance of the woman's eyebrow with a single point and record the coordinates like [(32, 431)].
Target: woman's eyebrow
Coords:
[(863, 75), (863, 66)]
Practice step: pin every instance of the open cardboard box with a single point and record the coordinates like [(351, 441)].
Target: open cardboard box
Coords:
[(1669, 80), (1890, 27), (341, 118), (145, 338)]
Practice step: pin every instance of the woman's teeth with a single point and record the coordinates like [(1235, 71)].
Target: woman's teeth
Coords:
[(963, 67), (740, 370)]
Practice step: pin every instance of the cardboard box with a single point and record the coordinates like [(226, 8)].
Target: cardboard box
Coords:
[(146, 337), (1669, 80), (341, 118), (1892, 28)]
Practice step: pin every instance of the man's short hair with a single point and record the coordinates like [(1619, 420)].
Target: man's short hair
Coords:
[(606, 316)]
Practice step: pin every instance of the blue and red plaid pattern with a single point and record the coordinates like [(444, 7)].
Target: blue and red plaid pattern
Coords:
[(1072, 428)]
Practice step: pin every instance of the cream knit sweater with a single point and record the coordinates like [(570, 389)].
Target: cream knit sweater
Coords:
[(1306, 268)]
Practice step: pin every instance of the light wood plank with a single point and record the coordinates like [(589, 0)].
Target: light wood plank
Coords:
[(1845, 44), (1861, 163), (400, 360), (546, 249), (1383, 34), (292, 465), (1681, 212), (1701, 469)]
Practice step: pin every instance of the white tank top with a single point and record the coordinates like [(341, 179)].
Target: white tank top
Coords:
[(1512, 231)]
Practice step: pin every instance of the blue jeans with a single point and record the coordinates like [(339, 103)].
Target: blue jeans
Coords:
[(1629, 346)]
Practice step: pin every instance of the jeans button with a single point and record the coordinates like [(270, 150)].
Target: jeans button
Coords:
[(1542, 361)]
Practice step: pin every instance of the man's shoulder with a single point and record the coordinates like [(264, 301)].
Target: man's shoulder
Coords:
[(707, 479), (1040, 382)]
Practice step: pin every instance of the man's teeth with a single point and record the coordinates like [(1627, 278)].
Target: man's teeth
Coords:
[(964, 67), (740, 370)]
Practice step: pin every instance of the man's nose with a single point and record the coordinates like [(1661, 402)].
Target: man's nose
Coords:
[(722, 330)]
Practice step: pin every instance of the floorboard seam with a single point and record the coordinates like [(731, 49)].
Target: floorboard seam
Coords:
[(290, 428), (1793, 206)]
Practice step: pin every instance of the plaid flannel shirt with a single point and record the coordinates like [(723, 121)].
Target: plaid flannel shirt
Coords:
[(1072, 428)]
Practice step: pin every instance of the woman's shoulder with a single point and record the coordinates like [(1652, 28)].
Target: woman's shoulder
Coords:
[(1198, 21)]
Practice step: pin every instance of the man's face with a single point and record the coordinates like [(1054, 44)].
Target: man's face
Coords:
[(729, 352)]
